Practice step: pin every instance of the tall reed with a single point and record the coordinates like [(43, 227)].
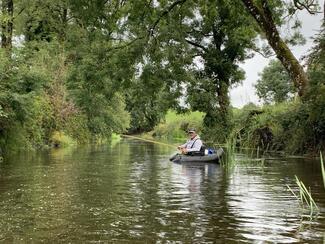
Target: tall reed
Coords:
[(305, 198), (229, 157), (322, 167)]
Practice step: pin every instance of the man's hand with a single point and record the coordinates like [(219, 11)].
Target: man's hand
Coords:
[(182, 149)]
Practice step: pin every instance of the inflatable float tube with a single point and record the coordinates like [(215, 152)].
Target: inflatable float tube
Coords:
[(210, 158)]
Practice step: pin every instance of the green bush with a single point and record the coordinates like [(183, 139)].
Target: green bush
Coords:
[(286, 126), (76, 127), (60, 139), (175, 125)]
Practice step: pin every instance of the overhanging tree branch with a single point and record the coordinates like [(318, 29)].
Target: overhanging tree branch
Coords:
[(127, 44), (163, 14), (263, 54), (19, 13), (309, 5), (264, 19), (196, 45)]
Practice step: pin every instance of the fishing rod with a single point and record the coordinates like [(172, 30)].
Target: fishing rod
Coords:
[(152, 141)]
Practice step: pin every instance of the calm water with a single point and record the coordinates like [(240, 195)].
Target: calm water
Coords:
[(130, 193)]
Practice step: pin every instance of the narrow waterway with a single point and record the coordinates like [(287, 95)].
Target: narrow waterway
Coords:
[(129, 192)]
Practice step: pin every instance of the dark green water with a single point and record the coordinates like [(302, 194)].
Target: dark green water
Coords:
[(130, 193)]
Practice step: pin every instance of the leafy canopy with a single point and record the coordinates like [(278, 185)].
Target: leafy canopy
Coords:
[(274, 85)]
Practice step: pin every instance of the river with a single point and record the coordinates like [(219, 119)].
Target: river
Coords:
[(129, 192)]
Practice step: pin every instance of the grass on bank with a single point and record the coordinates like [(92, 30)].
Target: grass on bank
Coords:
[(175, 125), (322, 167), (60, 139), (289, 127)]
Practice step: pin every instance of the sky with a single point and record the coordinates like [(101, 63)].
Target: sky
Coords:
[(245, 92)]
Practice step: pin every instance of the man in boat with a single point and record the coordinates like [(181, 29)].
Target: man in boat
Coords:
[(193, 145)]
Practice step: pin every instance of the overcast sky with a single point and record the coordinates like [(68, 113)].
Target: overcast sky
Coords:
[(245, 93)]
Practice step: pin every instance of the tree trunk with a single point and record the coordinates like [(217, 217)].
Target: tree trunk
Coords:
[(222, 82), (223, 99), (7, 24), (264, 19), (64, 21)]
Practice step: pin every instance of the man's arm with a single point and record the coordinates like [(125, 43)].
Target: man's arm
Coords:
[(183, 146)]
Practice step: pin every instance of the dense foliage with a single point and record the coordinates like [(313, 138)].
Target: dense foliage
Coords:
[(274, 84), (78, 71), (296, 126)]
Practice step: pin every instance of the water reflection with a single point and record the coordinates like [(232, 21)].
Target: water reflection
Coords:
[(130, 192), (194, 174)]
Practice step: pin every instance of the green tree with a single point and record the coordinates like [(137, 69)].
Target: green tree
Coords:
[(230, 39), (102, 64), (42, 20), (162, 64), (149, 97), (315, 99), (215, 33), (7, 25), (67, 72), (268, 15), (274, 84), (24, 103)]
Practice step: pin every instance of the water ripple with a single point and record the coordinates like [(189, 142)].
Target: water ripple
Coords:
[(132, 193)]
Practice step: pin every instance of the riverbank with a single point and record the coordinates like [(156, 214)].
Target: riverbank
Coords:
[(289, 127), (58, 139)]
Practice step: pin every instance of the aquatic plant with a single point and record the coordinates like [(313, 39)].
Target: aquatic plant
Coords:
[(229, 157), (322, 166), (305, 198)]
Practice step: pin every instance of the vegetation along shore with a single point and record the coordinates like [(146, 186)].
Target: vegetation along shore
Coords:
[(75, 72)]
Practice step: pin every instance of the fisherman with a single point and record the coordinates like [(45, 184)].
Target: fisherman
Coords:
[(193, 146)]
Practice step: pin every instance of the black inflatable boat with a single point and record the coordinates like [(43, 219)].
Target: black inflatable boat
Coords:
[(210, 158)]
